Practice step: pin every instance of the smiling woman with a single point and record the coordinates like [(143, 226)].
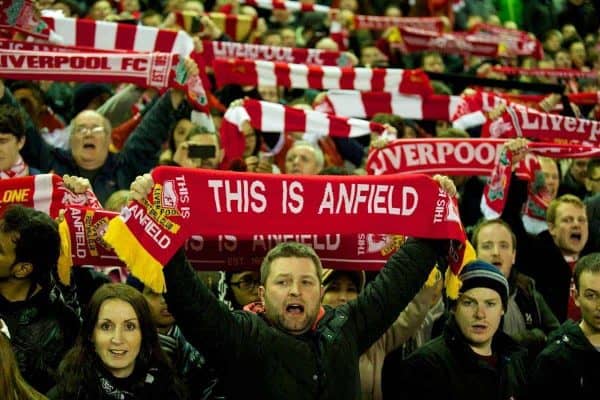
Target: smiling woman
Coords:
[(117, 354)]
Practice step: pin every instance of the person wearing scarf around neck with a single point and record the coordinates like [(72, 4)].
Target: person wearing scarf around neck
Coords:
[(117, 355), (12, 140)]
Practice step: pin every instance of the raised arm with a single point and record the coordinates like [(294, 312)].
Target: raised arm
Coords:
[(141, 151), (379, 305)]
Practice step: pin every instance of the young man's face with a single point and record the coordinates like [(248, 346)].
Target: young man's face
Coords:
[(161, 316), (9, 150), (478, 314), (570, 228), (578, 169), (587, 298), (340, 291), (292, 294), (495, 246)]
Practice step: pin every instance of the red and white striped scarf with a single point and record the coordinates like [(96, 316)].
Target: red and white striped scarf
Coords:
[(374, 22), (18, 169), (105, 35), (352, 103), (476, 156), (216, 49), (44, 192), (286, 5), (272, 117), (268, 73)]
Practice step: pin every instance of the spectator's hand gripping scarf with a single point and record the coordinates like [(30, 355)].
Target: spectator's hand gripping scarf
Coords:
[(147, 233)]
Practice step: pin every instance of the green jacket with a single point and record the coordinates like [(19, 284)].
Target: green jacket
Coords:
[(258, 361), (569, 367), (447, 368)]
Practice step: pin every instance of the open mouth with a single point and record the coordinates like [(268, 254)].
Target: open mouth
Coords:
[(497, 264), (89, 146), (576, 237), (118, 353), (295, 308)]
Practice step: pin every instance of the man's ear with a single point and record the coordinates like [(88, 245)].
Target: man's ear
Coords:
[(22, 270)]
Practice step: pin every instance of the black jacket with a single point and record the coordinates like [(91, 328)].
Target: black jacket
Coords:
[(42, 330), (154, 384), (568, 368), (262, 362), (447, 368), (540, 321), (538, 256)]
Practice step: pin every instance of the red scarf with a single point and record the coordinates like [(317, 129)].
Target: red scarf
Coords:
[(250, 72), (496, 191), (374, 22), (45, 192), (221, 202), (85, 228), (519, 121), (23, 16), (547, 72), (511, 42), (272, 117), (465, 43), (157, 70), (216, 49), (458, 156), (352, 103)]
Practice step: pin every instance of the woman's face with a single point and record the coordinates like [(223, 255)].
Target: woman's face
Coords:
[(340, 291), (117, 337)]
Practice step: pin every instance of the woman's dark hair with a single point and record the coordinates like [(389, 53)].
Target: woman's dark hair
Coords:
[(77, 371)]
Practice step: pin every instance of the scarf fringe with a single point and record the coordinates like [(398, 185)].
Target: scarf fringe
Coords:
[(140, 262), (452, 280), (65, 262)]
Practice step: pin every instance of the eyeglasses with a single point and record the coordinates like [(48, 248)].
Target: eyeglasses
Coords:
[(246, 284), (93, 130)]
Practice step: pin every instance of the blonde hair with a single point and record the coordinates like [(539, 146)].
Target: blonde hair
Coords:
[(12, 384)]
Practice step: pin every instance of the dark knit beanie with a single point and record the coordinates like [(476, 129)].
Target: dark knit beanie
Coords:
[(477, 274)]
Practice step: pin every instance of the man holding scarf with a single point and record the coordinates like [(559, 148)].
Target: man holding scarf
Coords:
[(292, 347), (89, 154)]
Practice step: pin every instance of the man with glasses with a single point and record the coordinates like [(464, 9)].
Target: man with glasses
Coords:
[(569, 367), (90, 138)]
